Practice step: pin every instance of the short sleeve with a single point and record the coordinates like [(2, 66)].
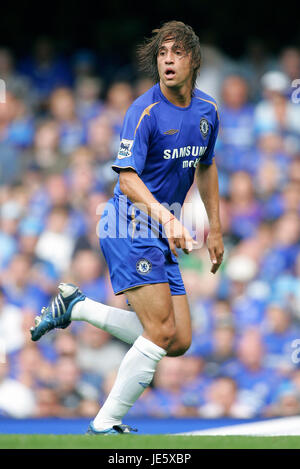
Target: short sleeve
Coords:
[(134, 140), (210, 151)]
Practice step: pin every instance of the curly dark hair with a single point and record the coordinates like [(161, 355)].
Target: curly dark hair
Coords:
[(182, 35)]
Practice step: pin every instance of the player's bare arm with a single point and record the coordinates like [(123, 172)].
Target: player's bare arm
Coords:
[(133, 187), (207, 182)]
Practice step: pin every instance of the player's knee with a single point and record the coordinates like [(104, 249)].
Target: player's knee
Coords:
[(179, 347), (163, 334), (166, 336), (181, 343)]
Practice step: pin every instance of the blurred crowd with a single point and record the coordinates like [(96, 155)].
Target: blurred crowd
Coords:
[(59, 133)]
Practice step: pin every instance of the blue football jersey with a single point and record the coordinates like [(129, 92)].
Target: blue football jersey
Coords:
[(164, 143)]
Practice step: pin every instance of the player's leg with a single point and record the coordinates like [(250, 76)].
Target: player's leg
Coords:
[(126, 326), (183, 333), (121, 323), (70, 304), (154, 307)]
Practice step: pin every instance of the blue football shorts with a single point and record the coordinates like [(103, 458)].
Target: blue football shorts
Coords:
[(136, 261)]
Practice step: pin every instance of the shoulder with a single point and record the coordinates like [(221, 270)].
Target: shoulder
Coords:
[(207, 100), (201, 95), (147, 100)]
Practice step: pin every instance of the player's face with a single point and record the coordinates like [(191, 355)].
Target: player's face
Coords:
[(174, 65)]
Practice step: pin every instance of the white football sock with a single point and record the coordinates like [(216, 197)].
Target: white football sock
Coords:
[(123, 324), (135, 374)]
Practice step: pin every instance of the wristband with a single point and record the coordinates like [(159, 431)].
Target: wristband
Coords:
[(168, 221)]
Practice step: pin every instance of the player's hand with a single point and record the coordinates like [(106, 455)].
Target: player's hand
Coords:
[(215, 248), (178, 237)]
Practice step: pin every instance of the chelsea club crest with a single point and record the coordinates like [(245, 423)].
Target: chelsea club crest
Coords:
[(204, 127), (143, 266)]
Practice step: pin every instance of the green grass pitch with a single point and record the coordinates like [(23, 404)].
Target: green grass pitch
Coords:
[(147, 442)]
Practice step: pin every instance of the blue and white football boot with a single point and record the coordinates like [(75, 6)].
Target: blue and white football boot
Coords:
[(58, 312), (115, 430)]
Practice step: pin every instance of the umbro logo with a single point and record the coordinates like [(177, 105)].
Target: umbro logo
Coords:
[(171, 132), (145, 385)]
